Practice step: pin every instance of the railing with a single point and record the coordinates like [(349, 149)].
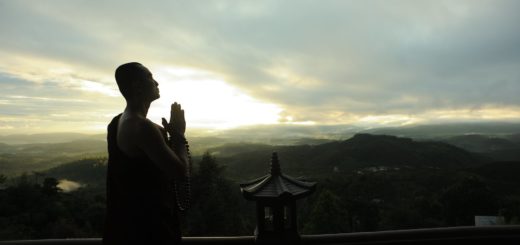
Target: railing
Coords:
[(469, 235)]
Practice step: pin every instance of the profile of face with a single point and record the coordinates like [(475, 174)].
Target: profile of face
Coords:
[(148, 88)]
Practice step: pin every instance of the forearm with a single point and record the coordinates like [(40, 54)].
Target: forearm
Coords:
[(178, 144)]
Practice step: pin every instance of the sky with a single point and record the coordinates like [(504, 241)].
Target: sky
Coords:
[(243, 63)]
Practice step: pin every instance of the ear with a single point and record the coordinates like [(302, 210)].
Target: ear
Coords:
[(136, 86)]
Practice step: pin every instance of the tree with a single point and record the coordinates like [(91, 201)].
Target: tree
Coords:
[(327, 216), (3, 179), (215, 201), (469, 197), (209, 169), (50, 186), (510, 209)]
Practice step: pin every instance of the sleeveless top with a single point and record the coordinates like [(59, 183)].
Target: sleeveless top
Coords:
[(140, 203)]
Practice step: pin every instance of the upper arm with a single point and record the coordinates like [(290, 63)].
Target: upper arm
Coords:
[(153, 144)]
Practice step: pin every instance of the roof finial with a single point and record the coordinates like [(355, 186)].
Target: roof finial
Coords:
[(275, 165)]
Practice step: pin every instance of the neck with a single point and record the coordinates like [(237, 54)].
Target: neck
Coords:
[(138, 108)]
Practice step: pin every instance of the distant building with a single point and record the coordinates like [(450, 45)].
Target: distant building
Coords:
[(489, 220)]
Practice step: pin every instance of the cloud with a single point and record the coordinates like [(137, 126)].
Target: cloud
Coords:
[(32, 107), (323, 62)]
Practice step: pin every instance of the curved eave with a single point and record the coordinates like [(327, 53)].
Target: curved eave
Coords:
[(253, 189), (254, 186), (252, 182), (303, 184), (282, 197)]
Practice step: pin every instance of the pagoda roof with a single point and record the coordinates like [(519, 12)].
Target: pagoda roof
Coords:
[(276, 185)]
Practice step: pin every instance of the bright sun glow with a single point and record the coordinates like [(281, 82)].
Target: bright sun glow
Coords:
[(208, 101)]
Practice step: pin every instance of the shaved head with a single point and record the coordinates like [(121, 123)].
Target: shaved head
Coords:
[(126, 74)]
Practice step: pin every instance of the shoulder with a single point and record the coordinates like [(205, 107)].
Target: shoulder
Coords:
[(133, 122), (114, 122), (135, 128), (148, 130), (145, 125), (138, 133)]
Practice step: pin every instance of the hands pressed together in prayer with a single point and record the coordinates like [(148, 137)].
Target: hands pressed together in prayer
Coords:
[(176, 128), (177, 125)]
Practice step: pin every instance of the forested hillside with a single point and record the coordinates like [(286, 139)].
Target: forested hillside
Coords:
[(365, 183)]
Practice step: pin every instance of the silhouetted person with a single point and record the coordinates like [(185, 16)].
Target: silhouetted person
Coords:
[(141, 205)]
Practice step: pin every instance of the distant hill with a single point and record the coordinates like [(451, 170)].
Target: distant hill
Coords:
[(363, 151), (293, 134), (449, 129), (503, 148), (90, 172), (282, 134), (229, 150), (16, 159), (399, 151), (289, 133), (481, 143), (48, 138)]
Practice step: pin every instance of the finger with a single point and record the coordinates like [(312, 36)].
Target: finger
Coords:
[(171, 112), (165, 123), (177, 111)]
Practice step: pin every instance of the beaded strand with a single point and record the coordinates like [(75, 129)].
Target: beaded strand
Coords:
[(185, 203)]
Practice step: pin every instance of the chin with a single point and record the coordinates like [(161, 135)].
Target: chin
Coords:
[(153, 98)]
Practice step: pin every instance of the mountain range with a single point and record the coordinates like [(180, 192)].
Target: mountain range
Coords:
[(305, 151), (362, 152)]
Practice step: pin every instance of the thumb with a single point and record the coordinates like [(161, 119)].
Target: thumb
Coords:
[(164, 123)]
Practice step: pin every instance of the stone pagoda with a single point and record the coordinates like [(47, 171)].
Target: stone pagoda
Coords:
[(275, 195)]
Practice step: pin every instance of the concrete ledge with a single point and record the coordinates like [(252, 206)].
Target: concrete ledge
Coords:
[(97, 241), (470, 234), (461, 235)]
